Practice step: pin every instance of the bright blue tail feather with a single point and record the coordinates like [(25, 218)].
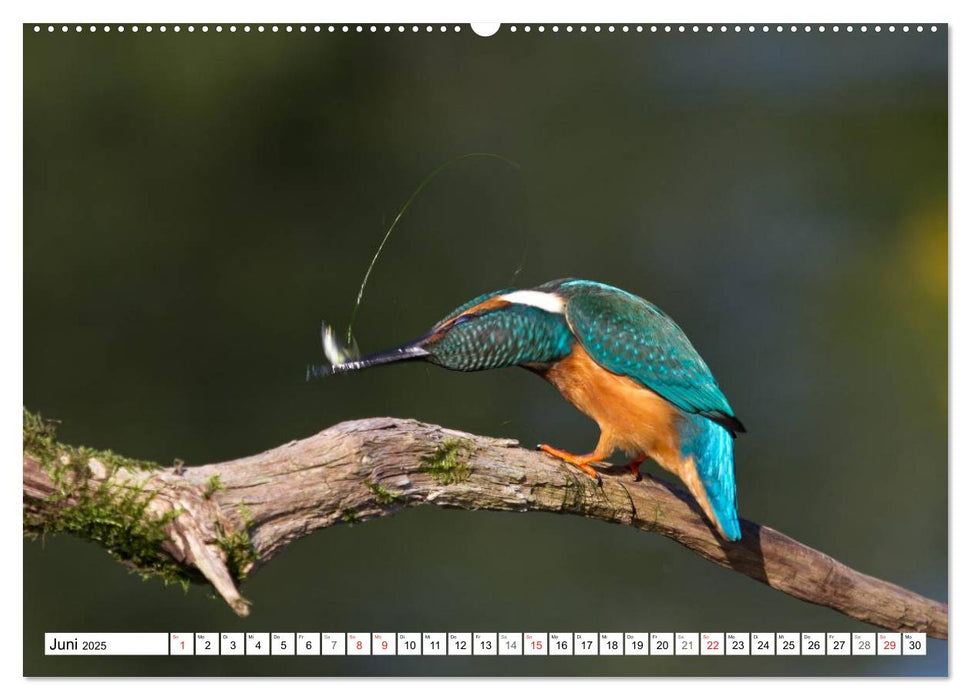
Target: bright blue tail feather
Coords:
[(713, 449)]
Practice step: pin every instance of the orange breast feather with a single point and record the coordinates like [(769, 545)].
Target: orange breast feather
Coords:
[(631, 417)]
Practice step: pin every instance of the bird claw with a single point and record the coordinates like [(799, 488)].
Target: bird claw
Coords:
[(580, 463)]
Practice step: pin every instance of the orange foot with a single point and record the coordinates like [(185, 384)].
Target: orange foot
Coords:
[(635, 466), (581, 462)]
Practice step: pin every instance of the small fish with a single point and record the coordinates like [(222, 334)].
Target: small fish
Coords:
[(336, 351)]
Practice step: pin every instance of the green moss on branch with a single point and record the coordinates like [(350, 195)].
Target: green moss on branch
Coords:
[(449, 463), (114, 513)]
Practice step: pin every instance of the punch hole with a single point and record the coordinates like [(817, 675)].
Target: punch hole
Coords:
[(485, 29)]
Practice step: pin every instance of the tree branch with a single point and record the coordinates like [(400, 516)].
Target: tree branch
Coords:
[(220, 521)]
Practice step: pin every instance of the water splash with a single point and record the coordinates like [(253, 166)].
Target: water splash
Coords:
[(349, 340)]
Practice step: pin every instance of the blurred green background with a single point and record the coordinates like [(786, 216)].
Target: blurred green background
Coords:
[(195, 204)]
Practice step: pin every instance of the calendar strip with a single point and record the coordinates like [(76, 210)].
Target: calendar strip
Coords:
[(486, 644)]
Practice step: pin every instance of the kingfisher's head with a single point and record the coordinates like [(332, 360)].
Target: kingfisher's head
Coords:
[(508, 328), (500, 329)]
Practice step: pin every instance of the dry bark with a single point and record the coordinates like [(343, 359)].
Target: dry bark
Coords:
[(369, 468)]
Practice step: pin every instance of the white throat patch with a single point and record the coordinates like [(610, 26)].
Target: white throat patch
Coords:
[(541, 300)]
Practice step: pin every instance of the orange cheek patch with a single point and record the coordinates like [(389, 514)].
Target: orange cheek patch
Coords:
[(441, 328), (487, 305)]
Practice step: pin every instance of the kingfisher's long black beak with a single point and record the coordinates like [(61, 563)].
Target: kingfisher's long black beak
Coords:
[(403, 353)]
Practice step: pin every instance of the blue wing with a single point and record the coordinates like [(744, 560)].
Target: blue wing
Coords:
[(630, 336)]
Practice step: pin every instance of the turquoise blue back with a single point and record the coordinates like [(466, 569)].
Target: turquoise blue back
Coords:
[(628, 335)]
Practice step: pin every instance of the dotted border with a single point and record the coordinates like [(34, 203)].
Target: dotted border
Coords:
[(511, 28)]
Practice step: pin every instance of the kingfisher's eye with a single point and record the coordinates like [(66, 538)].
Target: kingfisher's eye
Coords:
[(461, 319)]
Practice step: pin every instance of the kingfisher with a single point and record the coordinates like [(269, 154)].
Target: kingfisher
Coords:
[(617, 358)]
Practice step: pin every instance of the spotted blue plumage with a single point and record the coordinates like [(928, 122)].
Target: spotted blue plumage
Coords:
[(630, 336), (519, 335)]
